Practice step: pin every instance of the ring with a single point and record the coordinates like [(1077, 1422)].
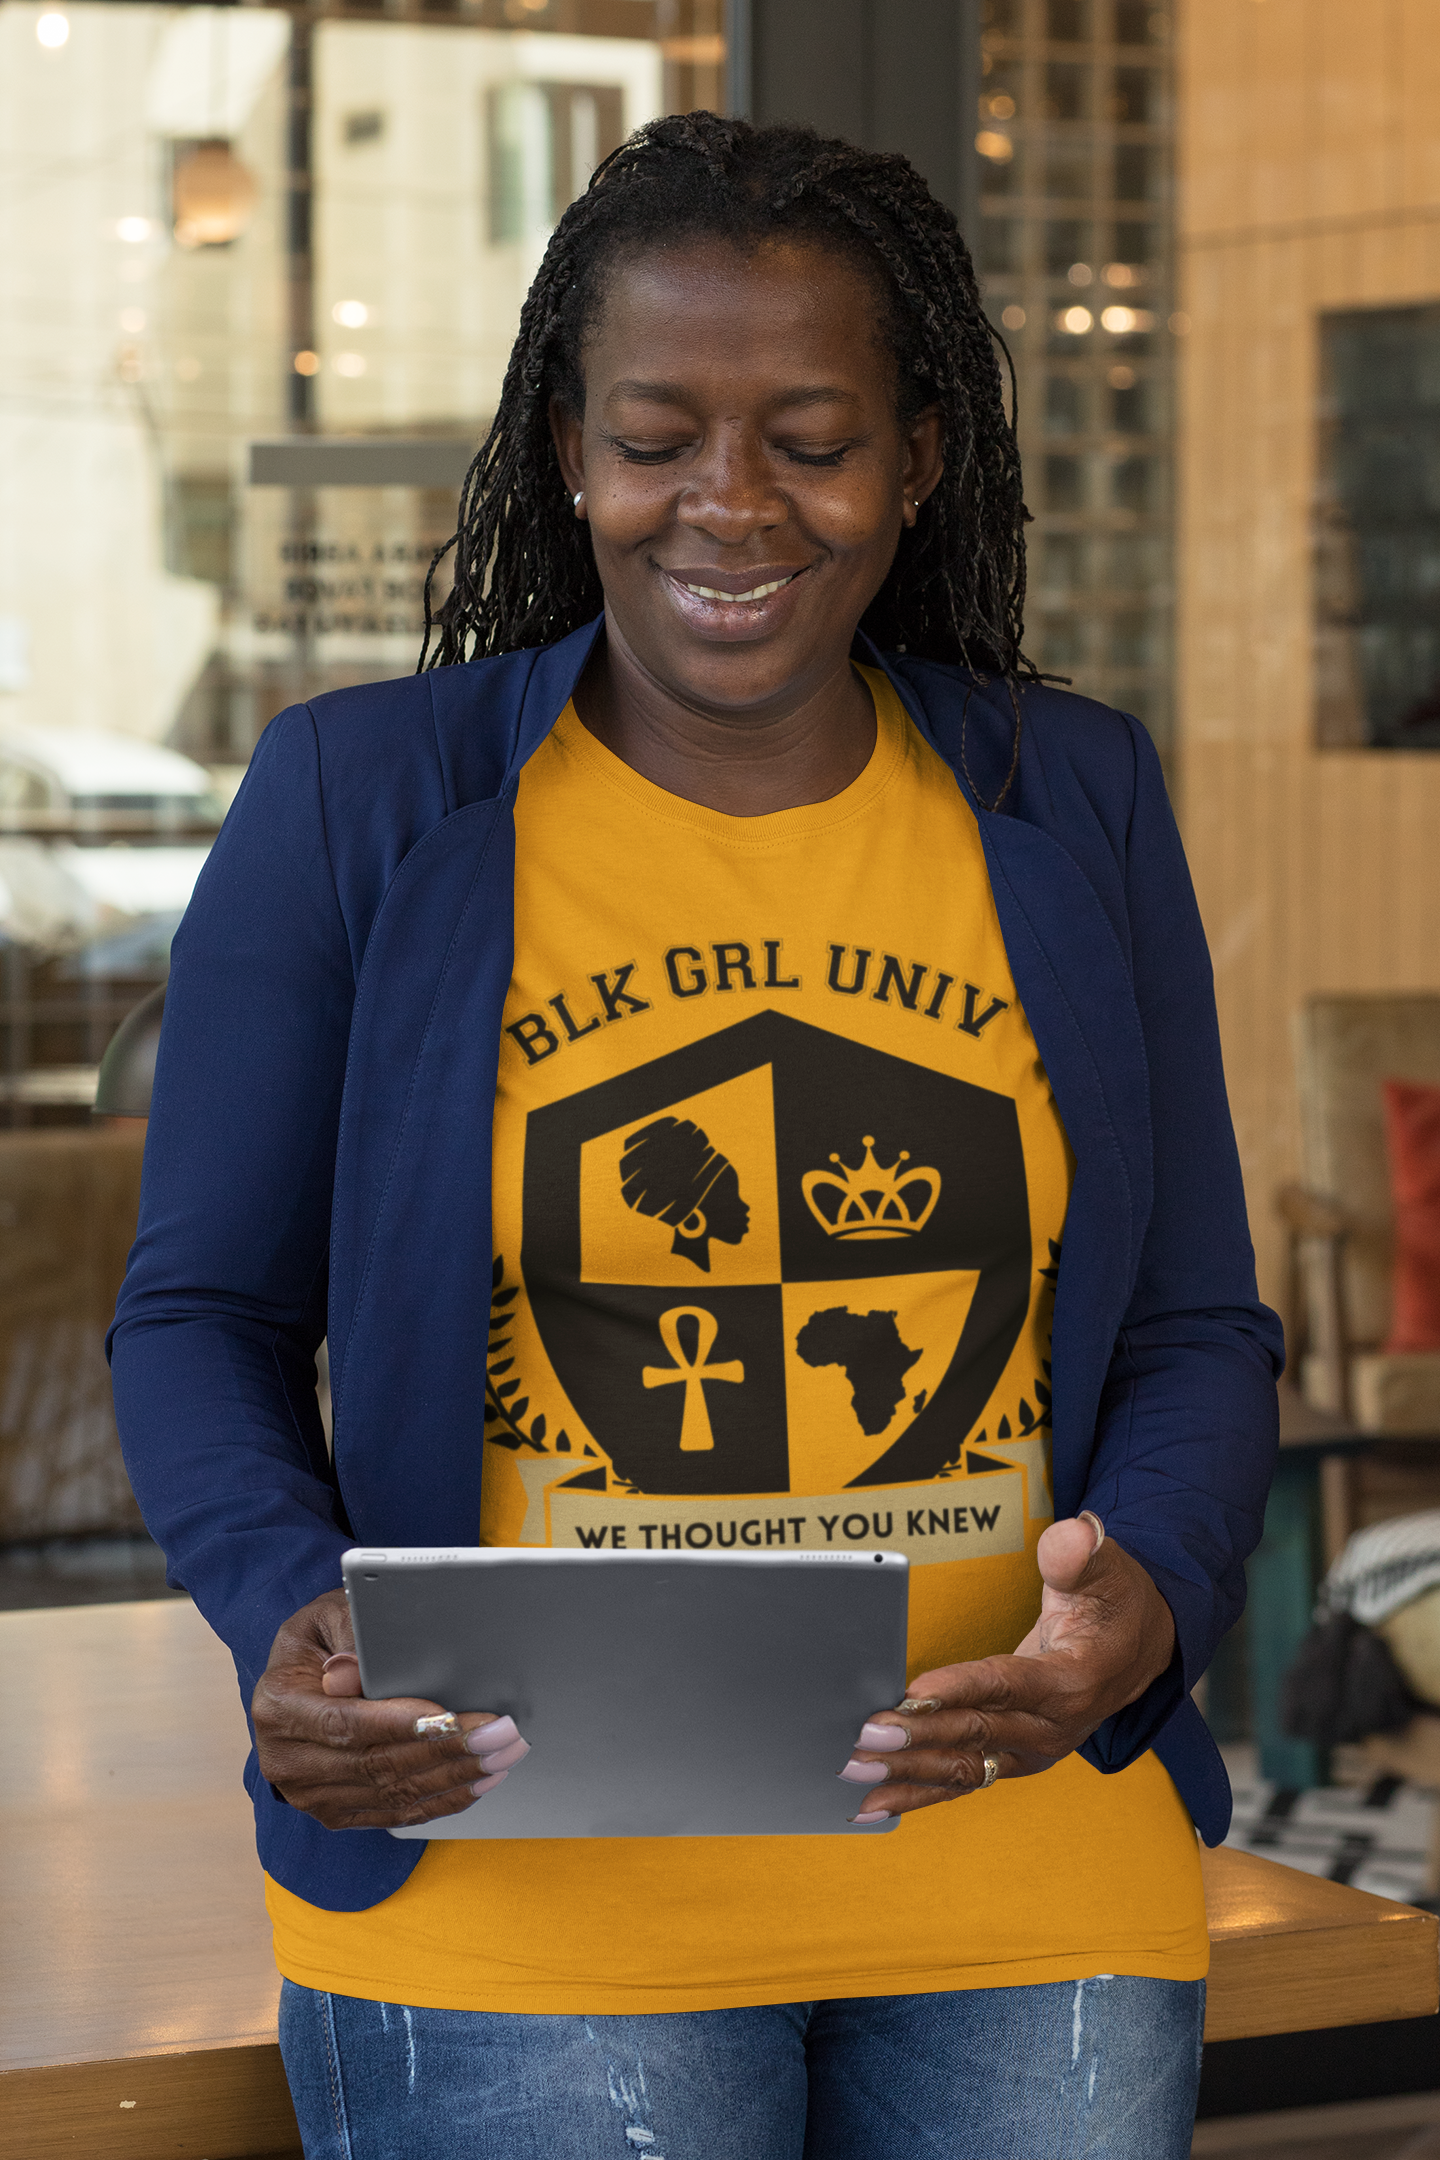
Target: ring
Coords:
[(992, 1771)]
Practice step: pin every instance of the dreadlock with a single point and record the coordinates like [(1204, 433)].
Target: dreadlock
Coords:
[(524, 571)]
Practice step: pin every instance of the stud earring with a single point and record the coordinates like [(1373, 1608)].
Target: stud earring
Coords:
[(578, 497)]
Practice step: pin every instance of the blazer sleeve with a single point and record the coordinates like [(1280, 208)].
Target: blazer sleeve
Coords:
[(1188, 1425), (223, 1305)]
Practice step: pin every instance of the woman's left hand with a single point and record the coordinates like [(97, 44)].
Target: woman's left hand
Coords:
[(1103, 1635)]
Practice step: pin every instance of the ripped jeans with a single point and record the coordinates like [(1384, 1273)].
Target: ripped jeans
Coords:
[(1105, 2068)]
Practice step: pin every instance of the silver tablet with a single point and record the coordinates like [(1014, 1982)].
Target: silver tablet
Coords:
[(663, 1694)]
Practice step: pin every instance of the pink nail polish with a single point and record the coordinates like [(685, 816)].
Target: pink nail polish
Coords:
[(489, 1739), (505, 1758), (879, 1737), (865, 1773), (878, 1814), (487, 1784)]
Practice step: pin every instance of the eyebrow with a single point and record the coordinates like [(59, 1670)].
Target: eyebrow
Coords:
[(664, 393)]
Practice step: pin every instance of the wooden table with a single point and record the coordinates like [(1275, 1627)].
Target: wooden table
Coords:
[(137, 1992)]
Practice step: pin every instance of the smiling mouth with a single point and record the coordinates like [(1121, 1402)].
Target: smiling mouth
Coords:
[(736, 599)]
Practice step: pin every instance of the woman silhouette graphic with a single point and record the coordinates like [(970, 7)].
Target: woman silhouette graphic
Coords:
[(670, 1171)]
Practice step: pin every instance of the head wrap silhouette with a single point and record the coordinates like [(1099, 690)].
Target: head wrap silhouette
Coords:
[(670, 1171)]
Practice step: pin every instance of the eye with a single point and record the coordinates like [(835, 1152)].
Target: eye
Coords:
[(817, 457), (634, 455)]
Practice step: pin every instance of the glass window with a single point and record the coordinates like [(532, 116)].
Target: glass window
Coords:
[(999, 244), (1377, 528), (1068, 169), (1064, 483), (1066, 19), (1138, 22), (1069, 245), (1083, 299), (1135, 97), (263, 267), (1137, 172), (1064, 405), (1066, 87)]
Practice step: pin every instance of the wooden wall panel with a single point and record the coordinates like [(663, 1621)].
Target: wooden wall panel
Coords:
[(1309, 180)]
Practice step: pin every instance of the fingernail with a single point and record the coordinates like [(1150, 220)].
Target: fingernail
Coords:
[(488, 1784), (1086, 1515), (914, 1703), (489, 1739), (879, 1737), (874, 1814), (340, 1657), (865, 1773), (505, 1758), (445, 1721)]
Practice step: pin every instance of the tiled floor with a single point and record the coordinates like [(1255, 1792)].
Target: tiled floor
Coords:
[(1403, 2129), (1372, 1832)]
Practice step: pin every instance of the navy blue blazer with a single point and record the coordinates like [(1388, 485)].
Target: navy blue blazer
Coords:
[(318, 1162)]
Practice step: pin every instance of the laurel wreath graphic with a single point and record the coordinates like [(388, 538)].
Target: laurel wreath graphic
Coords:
[(505, 1402)]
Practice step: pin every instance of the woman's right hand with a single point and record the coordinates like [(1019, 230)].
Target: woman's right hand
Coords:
[(357, 1765)]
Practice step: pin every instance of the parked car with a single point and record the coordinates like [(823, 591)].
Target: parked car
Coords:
[(101, 841)]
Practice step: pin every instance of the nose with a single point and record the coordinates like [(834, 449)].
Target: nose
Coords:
[(733, 493)]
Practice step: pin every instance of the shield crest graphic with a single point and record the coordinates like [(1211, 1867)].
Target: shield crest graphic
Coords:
[(777, 1261)]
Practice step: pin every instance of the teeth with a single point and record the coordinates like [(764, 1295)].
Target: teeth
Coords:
[(733, 599)]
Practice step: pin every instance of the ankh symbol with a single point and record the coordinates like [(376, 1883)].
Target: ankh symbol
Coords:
[(695, 1432)]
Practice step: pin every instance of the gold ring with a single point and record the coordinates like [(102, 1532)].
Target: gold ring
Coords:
[(992, 1771)]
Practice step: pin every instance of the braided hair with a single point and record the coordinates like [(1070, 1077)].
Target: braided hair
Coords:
[(524, 572)]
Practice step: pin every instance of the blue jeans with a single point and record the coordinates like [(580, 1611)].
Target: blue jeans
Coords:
[(1107, 2068)]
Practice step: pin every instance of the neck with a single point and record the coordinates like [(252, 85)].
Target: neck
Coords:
[(797, 749)]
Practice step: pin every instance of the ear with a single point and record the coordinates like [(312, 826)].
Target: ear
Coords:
[(567, 433), (924, 459)]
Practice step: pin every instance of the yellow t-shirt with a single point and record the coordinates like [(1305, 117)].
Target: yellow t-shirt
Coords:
[(779, 1192)]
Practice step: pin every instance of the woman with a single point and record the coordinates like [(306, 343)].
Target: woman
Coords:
[(742, 961)]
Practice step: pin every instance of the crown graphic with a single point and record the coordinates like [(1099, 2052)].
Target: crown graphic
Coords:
[(871, 1202)]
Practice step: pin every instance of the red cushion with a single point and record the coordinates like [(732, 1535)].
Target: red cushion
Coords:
[(1412, 1134)]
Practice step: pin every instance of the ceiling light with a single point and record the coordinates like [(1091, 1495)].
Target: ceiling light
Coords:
[(214, 196), (349, 364), (351, 314), (1013, 318), (1121, 275), (993, 145), (1075, 320), (306, 363), (133, 320), (1080, 274), (53, 29), (133, 229)]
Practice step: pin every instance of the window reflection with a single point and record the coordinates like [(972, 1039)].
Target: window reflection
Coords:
[(1080, 285), (232, 227)]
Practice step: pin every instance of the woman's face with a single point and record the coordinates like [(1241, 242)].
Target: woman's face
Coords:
[(745, 475)]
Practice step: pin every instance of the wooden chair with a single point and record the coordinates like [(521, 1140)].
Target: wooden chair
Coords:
[(1340, 1217), (69, 1197)]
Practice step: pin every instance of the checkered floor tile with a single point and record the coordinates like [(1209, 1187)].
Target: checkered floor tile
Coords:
[(1376, 1837)]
